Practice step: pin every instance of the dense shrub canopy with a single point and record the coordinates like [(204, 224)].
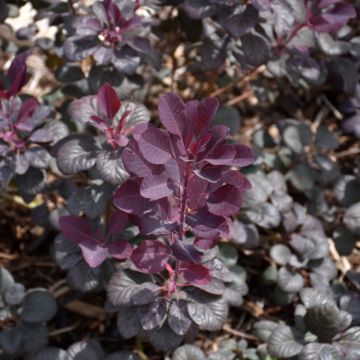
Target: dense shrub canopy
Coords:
[(179, 180)]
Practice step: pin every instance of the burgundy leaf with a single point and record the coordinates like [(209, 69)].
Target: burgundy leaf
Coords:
[(225, 201), (185, 252), (205, 244), (210, 173), (129, 199), (172, 170), (156, 186), (120, 249), (196, 193), (196, 274), (244, 156), (206, 225), (117, 222), (76, 229), (335, 14), (135, 163), (93, 253), (191, 113), (222, 155), (41, 136), (140, 128), (150, 256), (154, 145), (24, 121), (172, 114), (108, 101), (17, 74), (206, 112), (151, 224), (234, 177)]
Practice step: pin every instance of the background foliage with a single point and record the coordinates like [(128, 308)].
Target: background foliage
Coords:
[(105, 255)]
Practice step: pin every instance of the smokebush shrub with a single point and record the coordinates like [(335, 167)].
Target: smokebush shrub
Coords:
[(192, 168)]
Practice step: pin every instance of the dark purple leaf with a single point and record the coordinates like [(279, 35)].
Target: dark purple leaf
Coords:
[(154, 145), (239, 24), (214, 287), (110, 166), (210, 173), (24, 121), (117, 222), (214, 50), (17, 74), (150, 256), (151, 224), (205, 113), (76, 153), (225, 201), (127, 322), (76, 229), (185, 252), (156, 186), (21, 164), (38, 157), (196, 193), (108, 101), (173, 170), (120, 249), (129, 199), (172, 113), (125, 290), (41, 136), (244, 156), (178, 317), (94, 254), (334, 15), (235, 178), (135, 163), (196, 274), (256, 49), (205, 244), (206, 225), (208, 314), (153, 315), (222, 155)]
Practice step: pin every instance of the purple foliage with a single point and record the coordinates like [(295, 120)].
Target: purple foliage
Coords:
[(181, 179), (96, 244), (329, 15), (16, 77), (106, 113), (111, 33), (21, 134)]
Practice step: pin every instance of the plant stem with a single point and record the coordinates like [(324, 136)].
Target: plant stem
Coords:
[(183, 202), (71, 6), (182, 216)]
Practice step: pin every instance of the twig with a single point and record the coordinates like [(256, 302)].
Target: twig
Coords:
[(65, 329), (8, 256), (331, 107), (139, 349), (57, 285), (239, 98), (247, 77), (347, 153), (86, 309), (71, 6), (238, 333)]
